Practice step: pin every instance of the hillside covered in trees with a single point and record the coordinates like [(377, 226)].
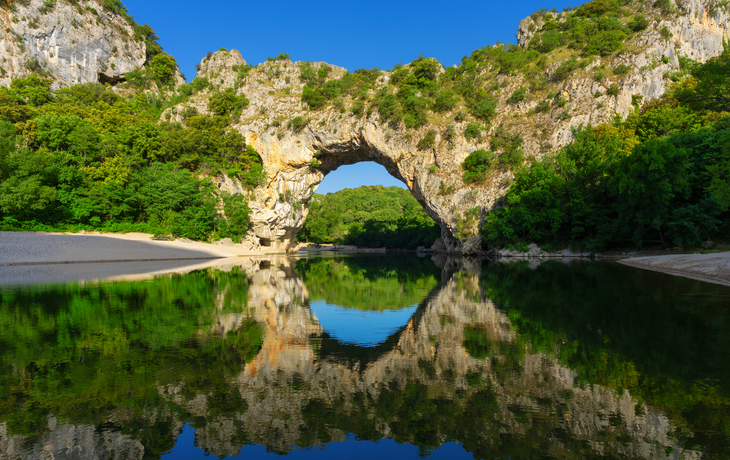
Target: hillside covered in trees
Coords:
[(149, 153), (369, 216), (660, 176)]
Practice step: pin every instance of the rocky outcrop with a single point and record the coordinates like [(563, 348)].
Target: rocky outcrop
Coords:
[(297, 158), (70, 42), (64, 440)]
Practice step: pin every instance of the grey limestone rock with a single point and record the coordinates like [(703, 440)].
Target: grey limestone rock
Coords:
[(74, 44)]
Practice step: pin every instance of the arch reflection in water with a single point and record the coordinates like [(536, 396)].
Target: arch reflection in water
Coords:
[(351, 448), (364, 300), (493, 359)]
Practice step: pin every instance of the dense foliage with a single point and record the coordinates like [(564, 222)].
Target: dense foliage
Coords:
[(660, 176), (369, 216), (85, 157)]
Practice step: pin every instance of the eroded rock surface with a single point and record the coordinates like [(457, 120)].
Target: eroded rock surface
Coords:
[(82, 43), (297, 160)]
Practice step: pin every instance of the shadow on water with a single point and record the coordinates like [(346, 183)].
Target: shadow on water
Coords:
[(577, 360)]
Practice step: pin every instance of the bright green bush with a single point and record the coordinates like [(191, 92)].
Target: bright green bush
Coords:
[(638, 23), (564, 70), (428, 141), (473, 131), (621, 69), (297, 124), (477, 164), (227, 103), (605, 43), (484, 108), (518, 95), (444, 101)]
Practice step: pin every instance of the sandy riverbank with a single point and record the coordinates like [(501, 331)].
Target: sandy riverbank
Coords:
[(28, 248), (29, 258), (713, 268)]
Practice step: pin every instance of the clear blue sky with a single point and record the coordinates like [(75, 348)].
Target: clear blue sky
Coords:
[(348, 34)]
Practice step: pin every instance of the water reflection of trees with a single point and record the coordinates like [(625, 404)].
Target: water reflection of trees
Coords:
[(509, 361), (664, 339), (85, 353), (373, 282)]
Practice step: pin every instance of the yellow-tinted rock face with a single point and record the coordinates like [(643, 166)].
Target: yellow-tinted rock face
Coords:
[(334, 136)]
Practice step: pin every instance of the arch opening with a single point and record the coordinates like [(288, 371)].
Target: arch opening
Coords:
[(298, 164), (356, 175), (364, 205)]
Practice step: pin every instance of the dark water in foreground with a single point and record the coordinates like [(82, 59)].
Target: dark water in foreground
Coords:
[(368, 357)]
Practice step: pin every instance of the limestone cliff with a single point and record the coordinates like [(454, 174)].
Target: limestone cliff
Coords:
[(71, 42), (297, 156)]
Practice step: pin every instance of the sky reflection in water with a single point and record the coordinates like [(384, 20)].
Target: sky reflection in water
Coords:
[(359, 327), (352, 449)]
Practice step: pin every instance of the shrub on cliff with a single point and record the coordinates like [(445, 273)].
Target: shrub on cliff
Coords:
[(162, 68), (297, 124), (605, 43), (598, 7), (428, 141), (473, 131), (565, 69), (477, 164), (227, 103), (638, 23), (518, 95)]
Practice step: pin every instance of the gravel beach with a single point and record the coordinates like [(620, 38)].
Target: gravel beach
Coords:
[(713, 268), (38, 248), (28, 257)]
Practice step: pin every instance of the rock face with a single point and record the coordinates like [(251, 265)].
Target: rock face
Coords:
[(74, 44), (298, 158)]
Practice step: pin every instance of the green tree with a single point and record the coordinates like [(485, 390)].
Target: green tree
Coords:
[(162, 67)]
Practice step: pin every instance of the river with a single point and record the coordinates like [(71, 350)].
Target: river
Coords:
[(368, 356)]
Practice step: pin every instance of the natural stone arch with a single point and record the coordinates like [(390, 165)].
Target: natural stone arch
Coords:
[(280, 207), (351, 129)]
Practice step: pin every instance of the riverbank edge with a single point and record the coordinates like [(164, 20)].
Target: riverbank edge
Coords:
[(700, 267), (189, 250), (695, 266)]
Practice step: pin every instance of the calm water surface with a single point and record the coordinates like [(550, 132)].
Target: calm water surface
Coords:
[(368, 357)]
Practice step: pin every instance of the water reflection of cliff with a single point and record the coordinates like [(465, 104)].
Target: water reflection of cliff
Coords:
[(458, 370)]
